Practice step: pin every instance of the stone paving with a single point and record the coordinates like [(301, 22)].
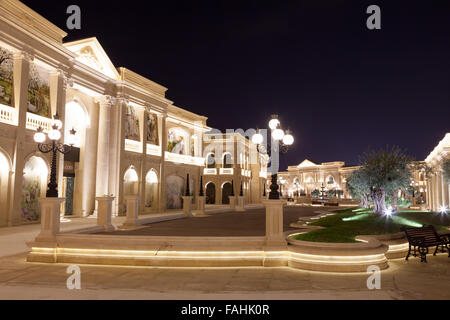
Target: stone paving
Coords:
[(403, 280), (249, 223), (22, 280)]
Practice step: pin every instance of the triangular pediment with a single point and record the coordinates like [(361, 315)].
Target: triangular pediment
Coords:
[(306, 163), (91, 53)]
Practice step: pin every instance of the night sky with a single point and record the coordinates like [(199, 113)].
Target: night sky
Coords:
[(337, 85)]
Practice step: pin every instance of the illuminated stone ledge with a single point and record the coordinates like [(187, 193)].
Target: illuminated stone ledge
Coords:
[(203, 252), (337, 257), (397, 243)]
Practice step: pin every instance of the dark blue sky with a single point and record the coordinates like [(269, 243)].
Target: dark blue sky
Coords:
[(337, 85)]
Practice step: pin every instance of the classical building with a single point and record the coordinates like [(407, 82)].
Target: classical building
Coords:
[(438, 191), (233, 161), (130, 139), (309, 176)]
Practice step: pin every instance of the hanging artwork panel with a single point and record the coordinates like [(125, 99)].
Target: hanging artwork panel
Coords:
[(132, 124), (6, 77), (39, 91), (152, 129)]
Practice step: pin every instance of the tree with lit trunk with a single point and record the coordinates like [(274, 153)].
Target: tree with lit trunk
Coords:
[(387, 171)]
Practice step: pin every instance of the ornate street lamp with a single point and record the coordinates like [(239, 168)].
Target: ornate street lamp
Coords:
[(53, 146), (282, 141)]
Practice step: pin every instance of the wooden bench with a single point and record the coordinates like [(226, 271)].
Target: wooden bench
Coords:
[(420, 239)]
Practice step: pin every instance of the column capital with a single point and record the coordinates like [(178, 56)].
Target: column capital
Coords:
[(23, 55), (122, 98), (107, 101)]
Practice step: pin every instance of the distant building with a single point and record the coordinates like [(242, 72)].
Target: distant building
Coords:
[(308, 176)]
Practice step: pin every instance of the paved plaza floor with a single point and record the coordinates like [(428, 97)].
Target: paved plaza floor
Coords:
[(249, 223), (403, 280), (22, 280)]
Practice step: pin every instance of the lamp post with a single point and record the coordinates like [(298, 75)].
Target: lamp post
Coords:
[(282, 140), (53, 146)]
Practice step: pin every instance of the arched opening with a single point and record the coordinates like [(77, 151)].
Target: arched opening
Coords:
[(174, 192), (77, 118), (210, 193), (151, 189), (226, 192), (4, 180), (211, 160), (227, 161), (130, 182), (34, 186)]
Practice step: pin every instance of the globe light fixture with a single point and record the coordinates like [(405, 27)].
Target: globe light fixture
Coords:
[(72, 139), (443, 209), (39, 136), (274, 123), (54, 146), (278, 134), (258, 138), (283, 141), (288, 139)]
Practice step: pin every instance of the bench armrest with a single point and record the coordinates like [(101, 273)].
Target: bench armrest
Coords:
[(417, 241)]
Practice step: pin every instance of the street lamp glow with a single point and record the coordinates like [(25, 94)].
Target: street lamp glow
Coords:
[(257, 138), (278, 134), (54, 134), (274, 123), (443, 209), (39, 136), (288, 139), (72, 139)]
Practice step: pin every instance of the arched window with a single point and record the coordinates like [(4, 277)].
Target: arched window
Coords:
[(227, 161), (131, 180), (151, 189), (78, 119), (210, 160)]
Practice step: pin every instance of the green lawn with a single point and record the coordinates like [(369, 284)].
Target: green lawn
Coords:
[(347, 224)]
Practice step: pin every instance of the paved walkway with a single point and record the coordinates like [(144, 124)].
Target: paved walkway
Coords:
[(403, 280), (249, 223)]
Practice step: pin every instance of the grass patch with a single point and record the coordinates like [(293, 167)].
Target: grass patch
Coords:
[(347, 224)]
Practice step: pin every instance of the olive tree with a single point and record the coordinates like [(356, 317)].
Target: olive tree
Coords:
[(386, 172)]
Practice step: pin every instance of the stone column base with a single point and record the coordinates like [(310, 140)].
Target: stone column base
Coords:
[(187, 205), (50, 218), (241, 204), (104, 213), (132, 203)]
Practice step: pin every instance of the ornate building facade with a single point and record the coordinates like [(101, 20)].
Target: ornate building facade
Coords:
[(130, 139), (437, 187), (308, 176)]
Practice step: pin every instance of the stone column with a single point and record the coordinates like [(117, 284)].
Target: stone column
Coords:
[(103, 145), (444, 191), (104, 213), (132, 203), (275, 240), (120, 154), (143, 131), (187, 205), (50, 218), (162, 173), (21, 70)]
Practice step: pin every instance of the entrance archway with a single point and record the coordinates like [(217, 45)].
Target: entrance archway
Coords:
[(210, 193), (226, 192), (151, 189), (34, 185)]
